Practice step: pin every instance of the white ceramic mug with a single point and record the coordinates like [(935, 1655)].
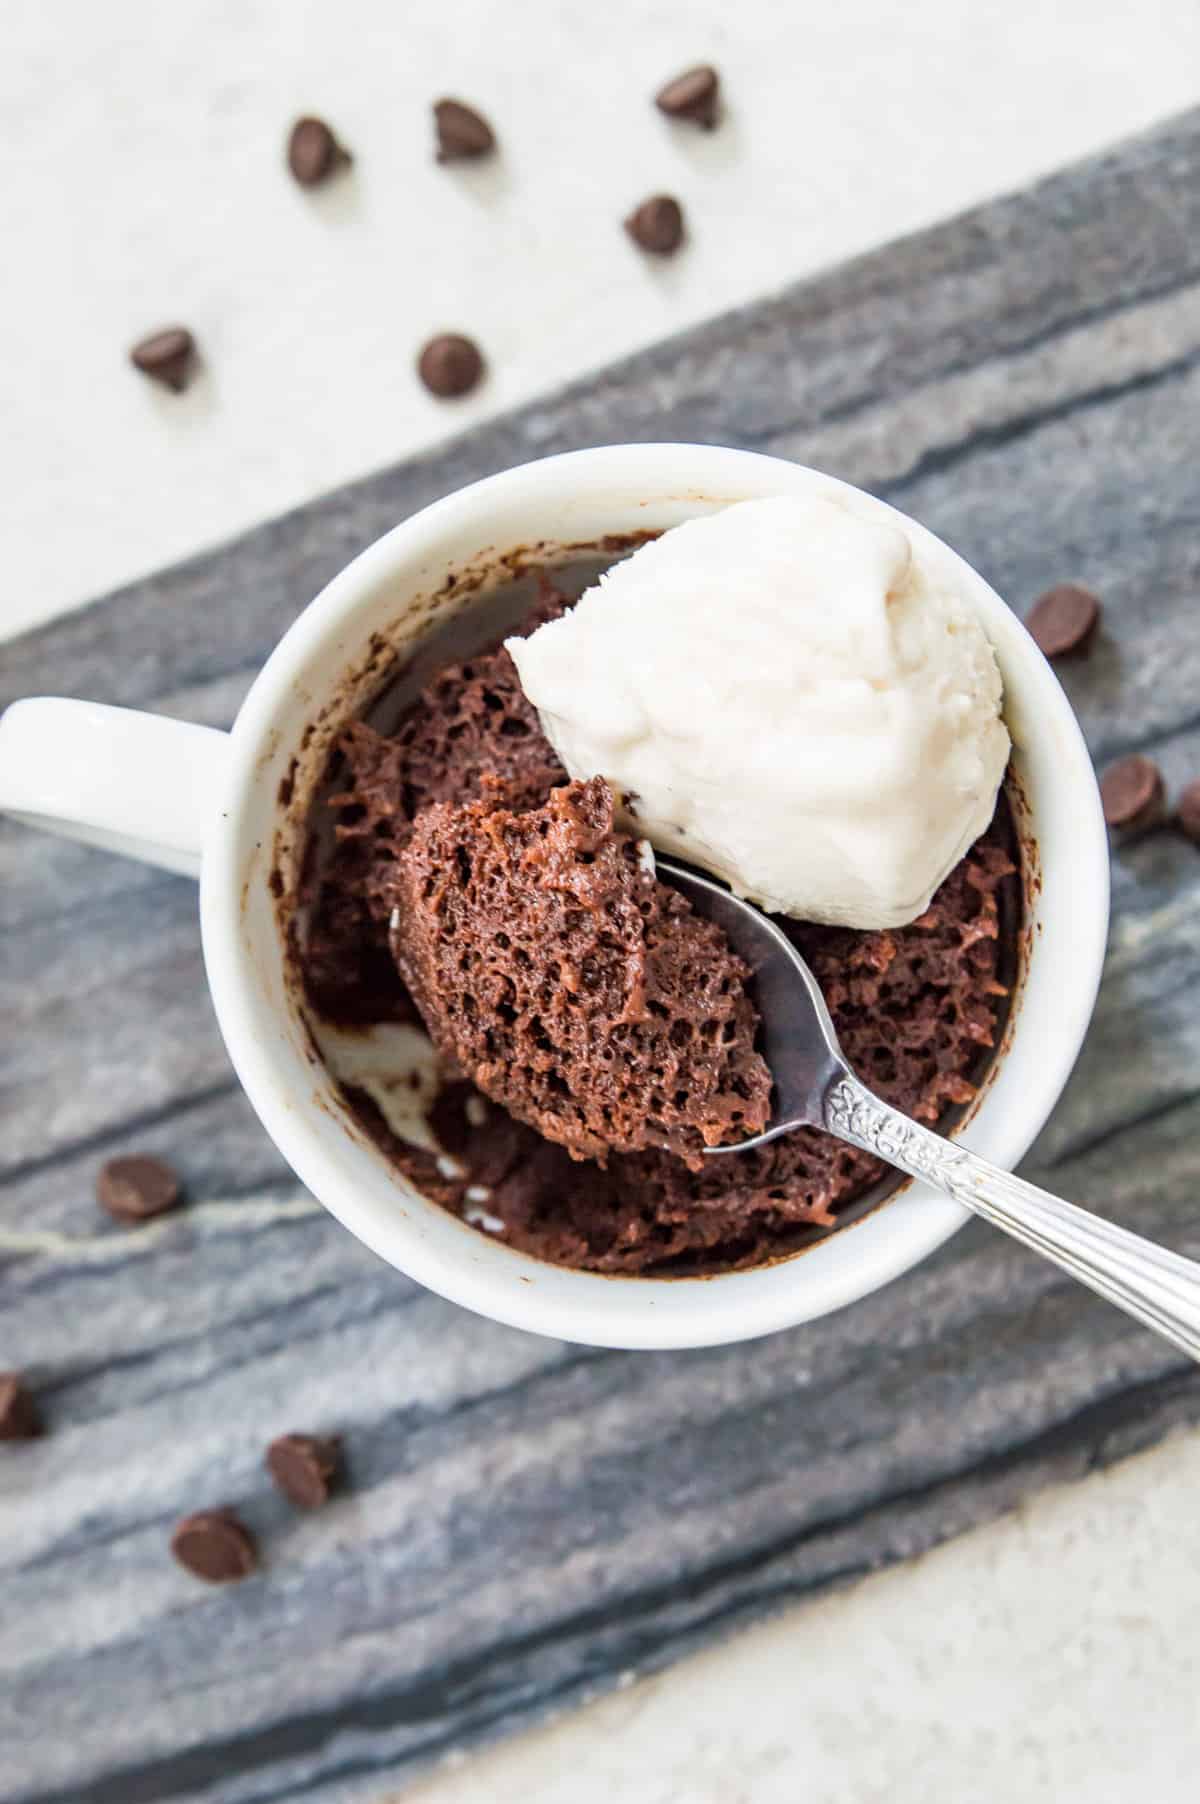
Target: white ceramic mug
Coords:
[(216, 805)]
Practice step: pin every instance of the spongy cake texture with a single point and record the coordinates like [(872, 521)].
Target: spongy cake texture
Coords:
[(569, 984)]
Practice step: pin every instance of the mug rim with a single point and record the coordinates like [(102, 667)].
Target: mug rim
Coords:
[(626, 1310)]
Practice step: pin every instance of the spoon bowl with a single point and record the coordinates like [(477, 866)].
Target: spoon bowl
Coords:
[(799, 1042)]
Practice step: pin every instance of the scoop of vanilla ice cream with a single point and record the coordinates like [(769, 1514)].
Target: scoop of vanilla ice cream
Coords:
[(786, 696)]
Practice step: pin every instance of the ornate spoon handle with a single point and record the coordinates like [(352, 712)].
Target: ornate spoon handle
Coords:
[(1159, 1288)]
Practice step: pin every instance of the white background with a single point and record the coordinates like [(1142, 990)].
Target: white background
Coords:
[(1055, 1655), (143, 183)]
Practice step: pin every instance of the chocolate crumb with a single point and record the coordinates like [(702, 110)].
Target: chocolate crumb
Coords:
[(215, 1545), (657, 225), (137, 1188), (19, 1419), (692, 95), (1131, 791), (305, 1467), (166, 356), (1064, 620), (462, 133)]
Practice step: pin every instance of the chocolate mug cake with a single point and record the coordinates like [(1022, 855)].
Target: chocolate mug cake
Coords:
[(593, 1036)]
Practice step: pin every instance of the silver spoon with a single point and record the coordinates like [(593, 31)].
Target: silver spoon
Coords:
[(814, 1087)]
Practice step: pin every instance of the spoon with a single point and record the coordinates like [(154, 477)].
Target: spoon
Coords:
[(815, 1087)]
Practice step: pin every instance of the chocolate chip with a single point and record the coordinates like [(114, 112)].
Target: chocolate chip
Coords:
[(305, 1466), (692, 95), (137, 1188), (19, 1419), (657, 225), (1064, 620), (215, 1545), (167, 356), (1131, 791), (313, 153), (461, 132), (1187, 812), (450, 365)]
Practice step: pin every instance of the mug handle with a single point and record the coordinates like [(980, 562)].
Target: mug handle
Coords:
[(130, 782)]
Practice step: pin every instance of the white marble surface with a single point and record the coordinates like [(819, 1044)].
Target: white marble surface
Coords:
[(1053, 1654)]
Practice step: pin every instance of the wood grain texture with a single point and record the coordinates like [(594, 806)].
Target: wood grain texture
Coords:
[(527, 1521)]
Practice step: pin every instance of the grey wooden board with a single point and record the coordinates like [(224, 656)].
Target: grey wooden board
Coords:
[(529, 1521)]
